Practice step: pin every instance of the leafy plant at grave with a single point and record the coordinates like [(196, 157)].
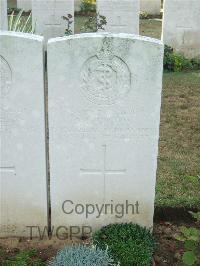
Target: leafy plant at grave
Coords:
[(190, 236), (177, 62), (195, 63), (195, 215), (20, 23), (11, 9), (94, 23), (69, 21), (130, 244), (24, 258), (88, 6), (144, 15), (82, 255)]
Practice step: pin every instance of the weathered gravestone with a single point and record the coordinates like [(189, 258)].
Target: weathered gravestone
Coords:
[(152, 7), (47, 17), (12, 3), (181, 28), (77, 5), (3, 15), (24, 4), (22, 134), (121, 16), (104, 112)]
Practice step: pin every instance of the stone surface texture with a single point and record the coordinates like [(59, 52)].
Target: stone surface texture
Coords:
[(152, 7), (181, 26), (121, 16), (24, 4), (104, 113), (3, 15), (48, 17), (23, 193)]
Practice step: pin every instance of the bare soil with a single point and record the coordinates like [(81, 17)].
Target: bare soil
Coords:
[(168, 251)]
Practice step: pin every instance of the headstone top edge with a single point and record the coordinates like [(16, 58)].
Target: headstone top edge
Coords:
[(22, 35), (106, 34)]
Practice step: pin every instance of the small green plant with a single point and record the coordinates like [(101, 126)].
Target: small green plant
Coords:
[(177, 62), (20, 23), (88, 6), (144, 15), (24, 258), (130, 244), (190, 236), (80, 255), (173, 61), (195, 215), (69, 21), (195, 63), (94, 23), (13, 9)]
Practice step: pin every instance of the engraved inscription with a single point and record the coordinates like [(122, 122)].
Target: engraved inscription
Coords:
[(5, 77), (5, 88), (105, 78), (8, 119)]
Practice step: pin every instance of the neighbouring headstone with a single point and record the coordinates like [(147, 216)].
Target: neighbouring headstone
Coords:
[(104, 113), (181, 28), (77, 5), (152, 7), (3, 15), (12, 3), (121, 16), (24, 4), (23, 190), (47, 17)]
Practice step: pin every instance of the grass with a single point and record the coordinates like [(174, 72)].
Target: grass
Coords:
[(21, 258), (151, 28), (178, 176)]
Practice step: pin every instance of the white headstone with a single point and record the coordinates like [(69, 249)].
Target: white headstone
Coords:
[(104, 113), (22, 161), (121, 16), (77, 5), (3, 15), (181, 28), (24, 4), (47, 17), (152, 7)]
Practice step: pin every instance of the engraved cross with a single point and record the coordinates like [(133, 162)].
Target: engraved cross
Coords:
[(7, 169), (118, 22), (103, 171)]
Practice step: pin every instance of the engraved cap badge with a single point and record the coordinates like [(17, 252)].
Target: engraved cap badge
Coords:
[(105, 77)]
